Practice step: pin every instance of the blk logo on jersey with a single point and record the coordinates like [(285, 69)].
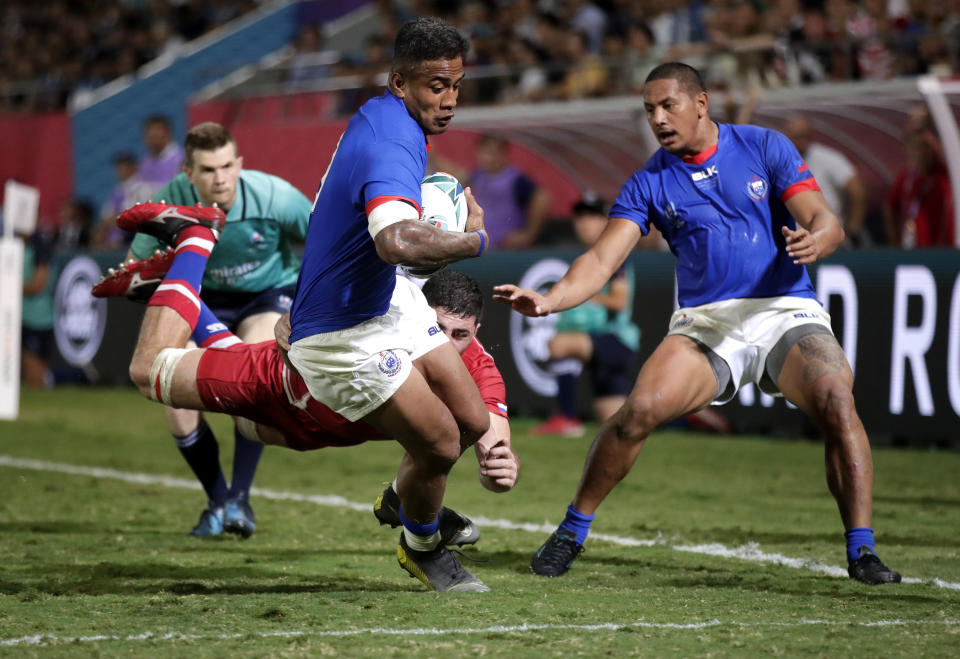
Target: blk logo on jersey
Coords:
[(256, 238), (757, 189), (389, 363), (704, 174)]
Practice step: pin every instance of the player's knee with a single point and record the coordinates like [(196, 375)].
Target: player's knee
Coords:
[(636, 419), (139, 372), (437, 449), (475, 427), (153, 373), (440, 456), (834, 404)]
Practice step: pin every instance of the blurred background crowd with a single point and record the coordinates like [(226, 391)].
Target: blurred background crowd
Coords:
[(55, 51)]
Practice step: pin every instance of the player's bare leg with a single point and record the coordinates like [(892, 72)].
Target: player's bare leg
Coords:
[(428, 431), (817, 378), (163, 327), (423, 425), (181, 421), (193, 231), (675, 380), (450, 380), (577, 345)]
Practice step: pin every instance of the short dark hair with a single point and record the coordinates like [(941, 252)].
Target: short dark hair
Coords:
[(456, 292), (493, 139), (427, 39), (686, 76), (208, 136), (158, 119), (125, 157)]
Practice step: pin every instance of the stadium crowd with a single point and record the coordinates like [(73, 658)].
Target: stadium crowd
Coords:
[(56, 50), (522, 50), (556, 49)]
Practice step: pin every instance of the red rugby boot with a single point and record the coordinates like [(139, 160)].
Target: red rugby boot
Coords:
[(166, 221), (136, 280)]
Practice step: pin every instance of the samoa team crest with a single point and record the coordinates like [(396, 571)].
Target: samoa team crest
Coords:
[(389, 363), (673, 216), (757, 189)]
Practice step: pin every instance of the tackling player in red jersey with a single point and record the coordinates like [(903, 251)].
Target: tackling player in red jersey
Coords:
[(253, 381)]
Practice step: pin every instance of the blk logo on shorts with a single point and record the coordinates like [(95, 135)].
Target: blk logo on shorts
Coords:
[(433, 331), (389, 363)]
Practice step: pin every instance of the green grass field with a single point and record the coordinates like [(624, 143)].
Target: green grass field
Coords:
[(711, 547)]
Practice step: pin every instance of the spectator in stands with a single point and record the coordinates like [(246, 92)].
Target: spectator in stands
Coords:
[(842, 187), (515, 207), (643, 54), (37, 339), (129, 190), (598, 333), (309, 60), (588, 19), (530, 85), (587, 75), (919, 206), (164, 157), (75, 231)]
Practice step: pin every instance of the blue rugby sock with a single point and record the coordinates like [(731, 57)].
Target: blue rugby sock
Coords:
[(210, 332), (577, 522), (201, 452), (246, 457), (857, 537), (194, 245)]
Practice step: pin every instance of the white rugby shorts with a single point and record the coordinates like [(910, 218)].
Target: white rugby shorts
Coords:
[(354, 371), (743, 331)]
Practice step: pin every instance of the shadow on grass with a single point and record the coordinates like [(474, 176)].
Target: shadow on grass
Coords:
[(125, 579)]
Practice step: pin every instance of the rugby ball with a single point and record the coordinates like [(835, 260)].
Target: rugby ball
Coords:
[(443, 205)]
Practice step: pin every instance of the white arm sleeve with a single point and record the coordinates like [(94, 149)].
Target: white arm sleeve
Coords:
[(389, 213)]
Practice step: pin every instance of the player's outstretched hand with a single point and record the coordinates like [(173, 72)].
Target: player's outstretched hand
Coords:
[(499, 467), (523, 300), (802, 246)]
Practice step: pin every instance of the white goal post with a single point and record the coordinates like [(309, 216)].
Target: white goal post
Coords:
[(20, 205), (935, 92)]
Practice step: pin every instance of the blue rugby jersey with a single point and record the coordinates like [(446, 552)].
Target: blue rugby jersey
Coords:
[(721, 212), (382, 156)]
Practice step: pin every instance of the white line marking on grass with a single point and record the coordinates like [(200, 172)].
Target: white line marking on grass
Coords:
[(41, 639), (748, 552)]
